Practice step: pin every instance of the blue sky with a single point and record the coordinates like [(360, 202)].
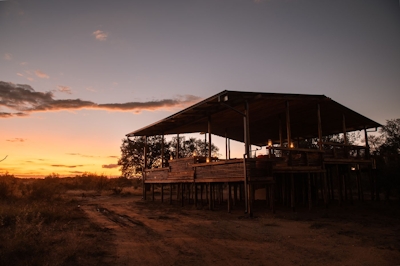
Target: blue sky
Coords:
[(125, 64)]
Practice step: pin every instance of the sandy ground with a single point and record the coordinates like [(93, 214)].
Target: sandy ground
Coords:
[(156, 233)]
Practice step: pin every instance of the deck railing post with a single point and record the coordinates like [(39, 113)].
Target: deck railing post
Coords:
[(144, 167)]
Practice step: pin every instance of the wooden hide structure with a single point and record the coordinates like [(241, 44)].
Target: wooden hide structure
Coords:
[(300, 167)]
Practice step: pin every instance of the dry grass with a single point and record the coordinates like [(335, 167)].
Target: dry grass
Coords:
[(41, 225)]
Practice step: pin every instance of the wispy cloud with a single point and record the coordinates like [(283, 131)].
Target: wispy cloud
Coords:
[(64, 89), (7, 56), (90, 89), (110, 166), (66, 166), (41, 74), (100, 35), (16, 140), (8, 115), (81, 155), (25, 100)]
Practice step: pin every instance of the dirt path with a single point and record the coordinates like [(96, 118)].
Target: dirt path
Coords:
[(155, 233)]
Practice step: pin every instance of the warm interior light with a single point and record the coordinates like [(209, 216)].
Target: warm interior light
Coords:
[(171, 157), (208, 159), (269, 143), (291, 145), (194, 153)]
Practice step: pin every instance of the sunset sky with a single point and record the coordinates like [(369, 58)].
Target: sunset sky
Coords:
[(76, 76)]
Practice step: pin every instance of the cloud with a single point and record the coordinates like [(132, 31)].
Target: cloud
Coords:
[(77, 172), (67, 166), (91, 89), (64, 89), (100, 35), (82, 155), (16, 140), (110, 166), (25, 100), (7, 56), (7, 115), (41, 74)]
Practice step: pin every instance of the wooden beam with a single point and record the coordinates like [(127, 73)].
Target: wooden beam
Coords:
[(319, 126), (367, 155), (280, 132), (144, 167), (162, 150), (226, 146), (177, 146), (344, 130), (209, 138), (289, 140)]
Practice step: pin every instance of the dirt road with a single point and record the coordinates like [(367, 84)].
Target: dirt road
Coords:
[(155, 233)]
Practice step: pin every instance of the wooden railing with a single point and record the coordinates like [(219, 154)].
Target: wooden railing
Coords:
[(336, 150)]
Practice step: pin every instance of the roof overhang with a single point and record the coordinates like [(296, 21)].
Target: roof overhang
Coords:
[(267, 116)]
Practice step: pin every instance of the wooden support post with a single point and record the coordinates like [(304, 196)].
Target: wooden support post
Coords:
[(229, 197), (284, 196), (177, 146), (235, 187), (372, 183), (195, 194), (207, 193), (326, 190), (280, 132), (144, 167), (272, 197), (349, 185), (189, 188), (201, 194), (209, 138), (162, 192), (309, 192), (210, 200), (303, 188), (152, 192), (345, 185), (182, 194), (332, 187), (319, 126), (340, 185), (229, 149), (226, 146), (288, 132), (292, 197), (170, 193), (344, 130), (162, 150), (250, 201)]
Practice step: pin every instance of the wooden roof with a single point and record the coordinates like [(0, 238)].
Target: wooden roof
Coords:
[(266, 112)]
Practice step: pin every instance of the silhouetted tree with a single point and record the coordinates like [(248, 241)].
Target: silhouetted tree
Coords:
[(132, 156), (191, 147), (132, 152), (387, 147)]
